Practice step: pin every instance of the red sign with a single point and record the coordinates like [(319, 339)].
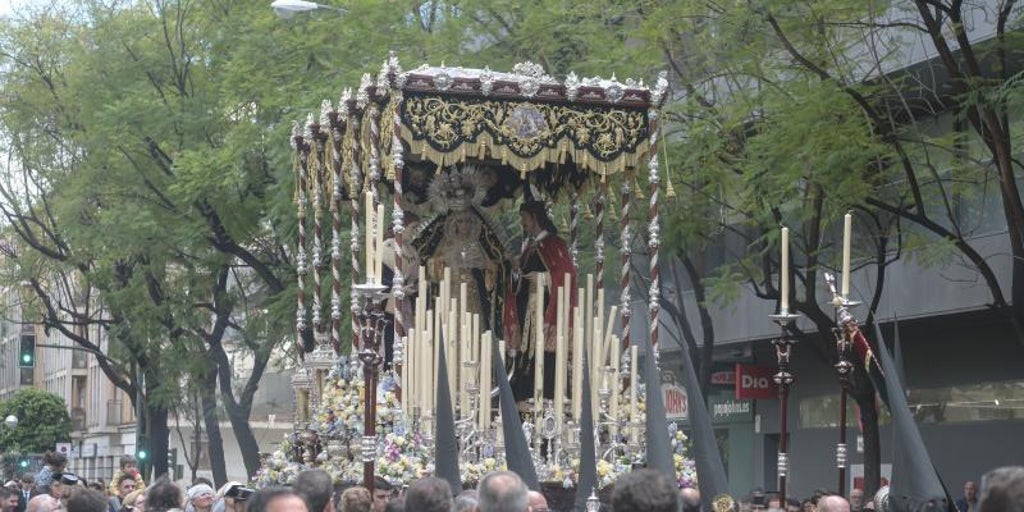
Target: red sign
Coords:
[(755, 382), (723, 378)]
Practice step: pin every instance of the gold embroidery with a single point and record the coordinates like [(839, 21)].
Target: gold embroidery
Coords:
[(524, 135)]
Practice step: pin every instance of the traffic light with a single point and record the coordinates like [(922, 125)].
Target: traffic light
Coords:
[(27, 354), (142, 450), (23, 463), (172, 457)]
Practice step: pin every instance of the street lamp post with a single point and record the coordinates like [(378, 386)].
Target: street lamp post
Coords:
[(11, 421), (288, 8)]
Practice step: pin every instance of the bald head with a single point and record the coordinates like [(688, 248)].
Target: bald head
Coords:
[(41, 503), (833, 503), (690, 498), (536, 501), (502, 491)]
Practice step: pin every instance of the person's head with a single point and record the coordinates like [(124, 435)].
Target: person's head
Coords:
[(125, 485), (502, 491), (533, 216), (200, 496), (41, 503), (970, 490), (135, 501), (430, 494), (645, 490), (8, 499), (395, 505), (792, 505), (162, 495), (84, 499), (128, 464), (536, 501), (466, 501), (1002, 490), (807, 506), (856, 498), (833, 503), (276, 499), (356, 499), (690, 498), (28, 481), (382, 490), (55, 460), (315, 487)]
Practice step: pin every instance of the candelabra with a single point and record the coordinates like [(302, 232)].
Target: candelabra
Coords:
[(783, 379), (372, 323)]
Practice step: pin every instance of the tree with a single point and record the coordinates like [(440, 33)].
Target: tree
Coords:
[(43, 421)]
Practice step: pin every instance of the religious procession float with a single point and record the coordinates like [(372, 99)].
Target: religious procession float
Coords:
[(468, 196)]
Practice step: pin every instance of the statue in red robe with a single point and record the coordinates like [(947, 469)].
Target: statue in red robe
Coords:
[(544, 253)]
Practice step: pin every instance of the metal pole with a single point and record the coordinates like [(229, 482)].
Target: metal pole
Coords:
[(783, 345)]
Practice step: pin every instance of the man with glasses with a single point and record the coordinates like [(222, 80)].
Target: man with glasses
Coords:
[(536, 501)]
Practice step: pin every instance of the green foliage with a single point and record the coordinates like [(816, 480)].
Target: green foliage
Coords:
[(43, 421)]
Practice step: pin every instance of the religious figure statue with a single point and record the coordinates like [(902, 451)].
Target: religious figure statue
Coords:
[(545, 254), (461, 238)]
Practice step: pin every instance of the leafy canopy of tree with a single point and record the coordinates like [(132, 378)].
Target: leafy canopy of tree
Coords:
[(43, 422)]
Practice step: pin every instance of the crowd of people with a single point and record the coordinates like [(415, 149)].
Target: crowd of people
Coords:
[(53, 489)]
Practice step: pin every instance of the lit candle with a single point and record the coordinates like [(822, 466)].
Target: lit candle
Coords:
[(368, 214), (847, 236), (784, 272)]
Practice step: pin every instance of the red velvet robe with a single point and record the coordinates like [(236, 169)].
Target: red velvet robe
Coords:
[(554, 255)]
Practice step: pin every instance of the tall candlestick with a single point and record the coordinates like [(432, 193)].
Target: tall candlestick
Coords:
[(368, 213), (847, 236), (784, 271)]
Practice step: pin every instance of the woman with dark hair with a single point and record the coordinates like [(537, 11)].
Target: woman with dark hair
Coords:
[(53, 462), (163, 495), (545, 261)]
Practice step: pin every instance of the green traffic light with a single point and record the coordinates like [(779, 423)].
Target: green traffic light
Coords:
[(24, 463), (26, 358), (142, 455)]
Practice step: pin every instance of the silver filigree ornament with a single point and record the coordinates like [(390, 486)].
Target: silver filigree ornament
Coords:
[(363, 95), (443, 81), (660, 87), (486, 81), (531, 70), (325, 110), (296, 133), (572, 86), (343, 103), (308, 132), (614, 92), (529, 87)]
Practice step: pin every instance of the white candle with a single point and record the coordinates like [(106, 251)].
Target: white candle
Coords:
[(538, 355), (847, 236), (614, 406), (378, 254), (577, 364), (560, 357), (634, 407), (486, 366), (368, 227), (784, 272)]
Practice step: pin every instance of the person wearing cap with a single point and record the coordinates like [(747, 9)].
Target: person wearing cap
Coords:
[(127, 466), (200, 498)]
